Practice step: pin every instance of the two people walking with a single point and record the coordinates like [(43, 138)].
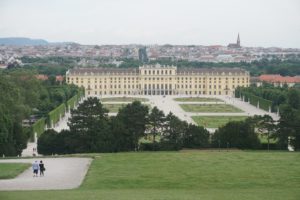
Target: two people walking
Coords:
[(36, 167)]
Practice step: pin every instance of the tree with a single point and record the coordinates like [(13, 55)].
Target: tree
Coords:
[(266, 125), (156, 120), (173, 132), (294, 98), (89, 123), (196, 137), (288, 127), (121, 138), (134, 118), (47, 142), (237, 134)]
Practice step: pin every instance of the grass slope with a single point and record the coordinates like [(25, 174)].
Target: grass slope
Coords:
[(210, 108), (216, 121), (184, 175), (11, 170)]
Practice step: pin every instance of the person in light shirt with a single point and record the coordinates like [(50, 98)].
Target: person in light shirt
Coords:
[(35, 168)]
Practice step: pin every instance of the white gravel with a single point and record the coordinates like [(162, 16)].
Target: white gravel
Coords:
[(61, 173)]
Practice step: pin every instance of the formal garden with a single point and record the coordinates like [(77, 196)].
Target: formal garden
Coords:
[(216, 121), (123, 99), (210, 108), (113, 108), (197, 99)]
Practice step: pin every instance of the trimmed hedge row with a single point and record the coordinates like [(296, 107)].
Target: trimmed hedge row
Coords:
[(71, 102), (54, 115), (39, 126), (75, 99), (254, 100)]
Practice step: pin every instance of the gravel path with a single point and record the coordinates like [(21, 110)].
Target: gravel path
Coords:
[(61, 173)]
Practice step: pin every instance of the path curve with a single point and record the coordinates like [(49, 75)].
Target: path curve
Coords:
[(60, 174)]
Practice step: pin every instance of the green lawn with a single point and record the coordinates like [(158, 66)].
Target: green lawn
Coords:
[(198, 99), (264, 139), (189, 175), (210, 108), (216, 121), (11, 170), (123, 99), (113, 108)]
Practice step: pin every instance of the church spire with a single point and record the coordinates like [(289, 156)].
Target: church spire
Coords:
[(238, 42)]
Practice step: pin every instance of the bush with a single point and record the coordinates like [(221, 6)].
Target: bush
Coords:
[(47, 142), (236, 134), (196, 137), (150, 146)]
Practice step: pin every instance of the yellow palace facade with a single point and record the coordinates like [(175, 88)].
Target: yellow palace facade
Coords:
[(158, 80)]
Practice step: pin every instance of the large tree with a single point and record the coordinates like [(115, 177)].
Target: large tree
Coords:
[(236, 134), (89, 123), (266, 126), (134, 118), (173, 133), (196, 137), (288, 126), (156, 122)]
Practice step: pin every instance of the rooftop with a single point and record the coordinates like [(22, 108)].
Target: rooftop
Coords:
[(135, 71), (277, 78)]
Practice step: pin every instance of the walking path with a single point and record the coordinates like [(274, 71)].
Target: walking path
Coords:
[(61, 173), (167, 104)]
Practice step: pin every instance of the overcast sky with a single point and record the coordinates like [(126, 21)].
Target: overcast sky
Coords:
[(205, 22)]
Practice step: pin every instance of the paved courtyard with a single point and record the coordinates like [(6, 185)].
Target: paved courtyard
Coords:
[(61, 173)]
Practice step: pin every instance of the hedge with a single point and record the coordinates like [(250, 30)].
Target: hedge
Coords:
[(253, 99), (54, 115), (71, 102), (39, 126), (75, 99)]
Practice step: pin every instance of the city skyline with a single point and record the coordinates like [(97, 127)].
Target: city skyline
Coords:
[(266, 24)]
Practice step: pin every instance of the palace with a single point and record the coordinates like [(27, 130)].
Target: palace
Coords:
[(158, 80)]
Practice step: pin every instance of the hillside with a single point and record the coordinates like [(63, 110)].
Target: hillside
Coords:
[(22, 41)]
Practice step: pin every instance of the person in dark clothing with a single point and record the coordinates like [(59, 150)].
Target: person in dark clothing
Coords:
[(42, 168)]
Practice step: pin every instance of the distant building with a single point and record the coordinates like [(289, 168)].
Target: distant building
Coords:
[(59, 79), (3, 66), (143, 58), (41, 77), (276, 80), (235, 45), (158, 80)]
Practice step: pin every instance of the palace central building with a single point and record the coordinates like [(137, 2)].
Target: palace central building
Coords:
[(158, 80)]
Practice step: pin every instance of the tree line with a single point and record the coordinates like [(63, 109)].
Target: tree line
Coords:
[(59, 65), (287, 101), (135, 128), (22, 97), (289, 67), (92, 130)]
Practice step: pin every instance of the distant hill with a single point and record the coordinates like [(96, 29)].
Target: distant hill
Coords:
[(22, 41)]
